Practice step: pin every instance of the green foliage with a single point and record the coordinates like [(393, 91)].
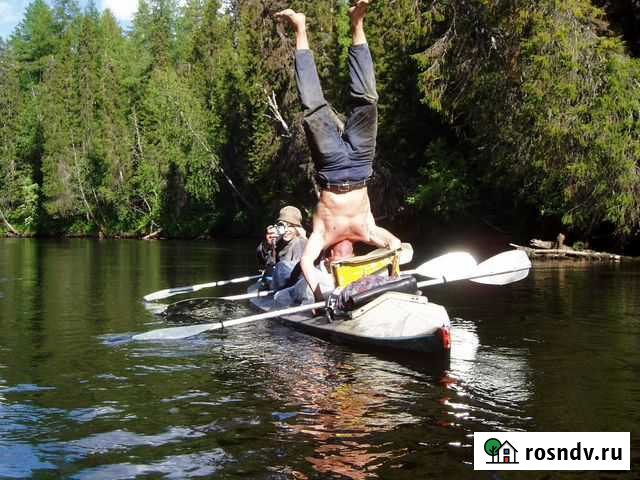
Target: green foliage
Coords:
[(177, 165), (190, 122), (34, 41), (445, 191), (547, 100)]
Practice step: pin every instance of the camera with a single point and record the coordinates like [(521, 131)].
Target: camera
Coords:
[(279, 229)]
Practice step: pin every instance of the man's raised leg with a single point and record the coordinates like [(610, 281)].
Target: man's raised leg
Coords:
[(298, 22), (357, 14), (362, 125), (320, 124)]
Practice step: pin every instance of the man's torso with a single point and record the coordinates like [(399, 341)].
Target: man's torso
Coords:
[(343, 216)]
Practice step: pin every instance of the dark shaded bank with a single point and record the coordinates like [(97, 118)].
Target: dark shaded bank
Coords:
[(478, 234)]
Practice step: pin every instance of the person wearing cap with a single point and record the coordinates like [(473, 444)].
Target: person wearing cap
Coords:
[(342, 154), (283, 246)]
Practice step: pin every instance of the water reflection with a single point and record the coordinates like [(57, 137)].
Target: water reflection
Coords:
[(491, 383), (342, 402), (555, 352)]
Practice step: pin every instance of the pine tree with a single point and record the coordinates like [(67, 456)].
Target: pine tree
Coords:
[(65, 12), (117, 127), (162, 32), (34, 41), (19, 199)]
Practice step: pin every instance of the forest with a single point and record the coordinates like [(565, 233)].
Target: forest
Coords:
[(520, 115)]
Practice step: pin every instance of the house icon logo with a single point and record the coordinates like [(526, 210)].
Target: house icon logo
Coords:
[(500, 452)]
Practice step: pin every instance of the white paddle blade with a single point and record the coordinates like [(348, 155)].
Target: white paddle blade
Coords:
[(504, 268), (176, 333), (451, 266), (166, 293), (406, 254)]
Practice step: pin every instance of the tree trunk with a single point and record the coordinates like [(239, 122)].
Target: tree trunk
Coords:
[(9, 226)]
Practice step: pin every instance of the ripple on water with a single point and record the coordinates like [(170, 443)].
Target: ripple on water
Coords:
[(119, 440), (25, 419), (83, 415), (178, 466), (185, 396), (20, 460), (25, 388), (492, 384), (110, 376)]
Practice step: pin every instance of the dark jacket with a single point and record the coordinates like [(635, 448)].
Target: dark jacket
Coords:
[(285, 251)]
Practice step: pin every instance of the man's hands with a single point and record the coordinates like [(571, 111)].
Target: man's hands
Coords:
[(279, 231), (271, 236)]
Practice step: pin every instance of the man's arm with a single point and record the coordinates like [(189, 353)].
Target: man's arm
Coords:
[(264, 253), (381, 237), (313, 249)]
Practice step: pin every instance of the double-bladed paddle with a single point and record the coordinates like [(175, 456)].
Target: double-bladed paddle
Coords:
[(455, 263), (405, 256), (501, 269)]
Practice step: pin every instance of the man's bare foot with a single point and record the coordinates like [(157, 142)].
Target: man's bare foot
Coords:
[(296, 20), (358, 11)]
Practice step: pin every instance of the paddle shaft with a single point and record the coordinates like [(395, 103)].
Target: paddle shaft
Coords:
[(175, 333), (169, 292), (246, 296), (443, 280)]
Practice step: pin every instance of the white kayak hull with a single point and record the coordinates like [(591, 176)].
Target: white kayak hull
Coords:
[(393, 321)]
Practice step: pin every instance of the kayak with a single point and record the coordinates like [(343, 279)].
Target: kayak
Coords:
[(393, 321)]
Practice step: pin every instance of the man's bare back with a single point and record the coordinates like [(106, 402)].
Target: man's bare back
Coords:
[(340, 215)]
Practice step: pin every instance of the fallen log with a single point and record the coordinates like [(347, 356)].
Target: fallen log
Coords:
[(153, 235), (567, 252)]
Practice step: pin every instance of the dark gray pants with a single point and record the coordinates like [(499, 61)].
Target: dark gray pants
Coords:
[(340, 156)]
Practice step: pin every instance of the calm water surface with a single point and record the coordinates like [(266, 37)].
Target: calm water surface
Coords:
[(556, 352)]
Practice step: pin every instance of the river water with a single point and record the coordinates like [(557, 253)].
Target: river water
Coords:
[(555, 352)]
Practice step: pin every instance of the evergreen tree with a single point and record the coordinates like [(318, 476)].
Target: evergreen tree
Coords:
[(162, 32), (19, 199), (65, 12), (34, 41), (118, 130), (178, 170)]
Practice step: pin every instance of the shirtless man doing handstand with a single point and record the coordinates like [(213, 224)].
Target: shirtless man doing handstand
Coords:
[(343, 159)]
